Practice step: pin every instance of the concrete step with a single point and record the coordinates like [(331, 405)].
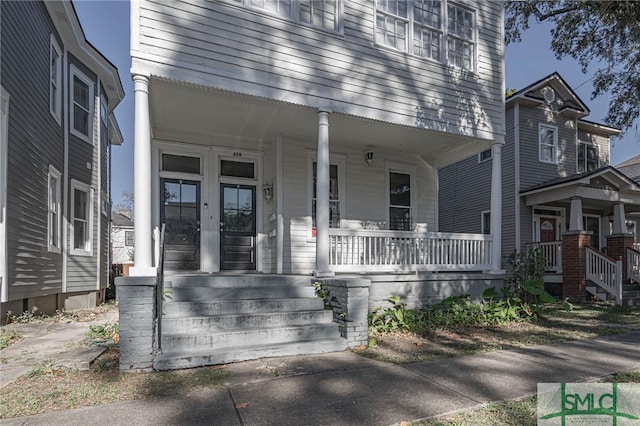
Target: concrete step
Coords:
[(248, 337), (214, 323), (244, 280), (190, 359), (223, 307), (598, 293), (631, 294), (203, 293), (632, 301)]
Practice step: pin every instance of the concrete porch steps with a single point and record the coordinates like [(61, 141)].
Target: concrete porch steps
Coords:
[(220, 319), (630, 294)]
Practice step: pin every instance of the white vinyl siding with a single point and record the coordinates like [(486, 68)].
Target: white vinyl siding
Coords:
[(317, 13), (427, 28), (82, 105), (54, 209), (548, 144), (55, 79), (81, 218)]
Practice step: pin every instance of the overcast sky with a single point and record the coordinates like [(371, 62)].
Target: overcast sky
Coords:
[(106, 26)]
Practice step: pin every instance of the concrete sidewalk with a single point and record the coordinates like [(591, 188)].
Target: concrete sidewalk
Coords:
[(346, 389)]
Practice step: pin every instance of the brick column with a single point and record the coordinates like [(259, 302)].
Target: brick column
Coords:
[(574, 264), (617, 245), (136, 306)]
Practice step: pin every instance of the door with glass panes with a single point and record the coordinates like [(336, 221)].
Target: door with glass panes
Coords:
[(180, 212), (237, 227)]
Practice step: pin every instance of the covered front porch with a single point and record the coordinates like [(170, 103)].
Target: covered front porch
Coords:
[(283, 188)]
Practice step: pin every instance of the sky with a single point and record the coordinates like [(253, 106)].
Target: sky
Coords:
[(106, 26)]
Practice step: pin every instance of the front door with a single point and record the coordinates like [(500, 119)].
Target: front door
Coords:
[(180, 212), (547, 229), (237, 227)]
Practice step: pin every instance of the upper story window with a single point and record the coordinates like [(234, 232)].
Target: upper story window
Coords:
[(318, 13), (588, 158), (104, 111), (484, 156), (55, 79), (548, 144), (433, 29), (82, 106)]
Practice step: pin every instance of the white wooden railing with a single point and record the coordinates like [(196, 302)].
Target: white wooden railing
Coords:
[(362, 250), (633, 265), (552, 252), (636, 246), (605, 272)]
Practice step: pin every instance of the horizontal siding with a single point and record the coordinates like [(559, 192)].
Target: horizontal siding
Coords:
[(509, 188), (35, 141), (248, 51)]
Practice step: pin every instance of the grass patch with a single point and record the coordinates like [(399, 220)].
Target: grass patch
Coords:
[(48, 388), (8, 337), (521, 412)]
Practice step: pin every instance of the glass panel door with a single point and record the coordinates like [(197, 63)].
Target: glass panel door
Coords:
[(238, 227), (180, 212)]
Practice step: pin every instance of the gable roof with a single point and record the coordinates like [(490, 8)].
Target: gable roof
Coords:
[(584, 177), (554, 79), (631, 168), (119, 219)]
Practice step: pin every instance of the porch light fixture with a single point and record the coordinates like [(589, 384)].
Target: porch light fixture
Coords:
[(267, 190), (368, 157)]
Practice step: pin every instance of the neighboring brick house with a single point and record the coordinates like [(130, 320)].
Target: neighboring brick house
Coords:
[(556, 179), (57, 127)]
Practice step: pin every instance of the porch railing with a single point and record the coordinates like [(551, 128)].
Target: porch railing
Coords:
[(552, 252), (633, 265), (605, 272), (362, 250), (636, 246), (160, 288)]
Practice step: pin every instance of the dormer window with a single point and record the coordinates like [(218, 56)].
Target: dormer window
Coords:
[(588, 157)]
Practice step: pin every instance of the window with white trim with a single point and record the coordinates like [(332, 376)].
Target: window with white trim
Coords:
[(484, 156), (55, 79), (434, 29), (400, 201), (317, 13), (548, 144), (129, 238), (81, 218), (54, 209), (485, 222), (104, 111), (334, 196), (588, 158), (82, 105)]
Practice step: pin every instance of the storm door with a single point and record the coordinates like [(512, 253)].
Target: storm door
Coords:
[(180, 212), (237, 227)]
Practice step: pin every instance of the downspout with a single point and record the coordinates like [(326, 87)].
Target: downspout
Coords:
[(516, 180), (65, 173), (97, 136)]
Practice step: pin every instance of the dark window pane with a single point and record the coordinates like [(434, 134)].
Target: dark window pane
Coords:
[(237, 169), (180, 163), (400, 219), (399, 189)]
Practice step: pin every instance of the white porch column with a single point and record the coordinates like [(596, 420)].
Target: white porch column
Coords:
[(143, 265), (322, 197), (575, 220), (619, 223), (496, 206)]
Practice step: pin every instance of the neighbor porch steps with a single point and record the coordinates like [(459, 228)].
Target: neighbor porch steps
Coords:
[(212, 320), (630, 294)]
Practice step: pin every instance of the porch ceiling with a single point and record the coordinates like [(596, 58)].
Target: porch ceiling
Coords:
[(194, 114)]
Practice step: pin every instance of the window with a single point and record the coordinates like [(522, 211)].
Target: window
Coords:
[(180, 163), (334, 196), (129, 237), (400, 201), (484, 156), (81, 202), (54, 209), (239, 169), (548, 144), (592, 223), (82, 105), (104, 110), (55, 79), (485, 224), (318, 13), (588, 158), (427, 28)]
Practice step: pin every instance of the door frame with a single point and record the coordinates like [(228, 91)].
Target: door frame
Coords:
[(255, 194), (538, 218)]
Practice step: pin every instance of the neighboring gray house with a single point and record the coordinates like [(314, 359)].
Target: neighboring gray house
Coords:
[(305, 137), (56, 131), (556, 177)]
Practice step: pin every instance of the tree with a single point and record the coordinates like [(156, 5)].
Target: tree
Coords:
[(605, 34)]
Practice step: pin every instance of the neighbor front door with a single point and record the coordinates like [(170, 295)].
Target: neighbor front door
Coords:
[(237, 227), (547, 229)]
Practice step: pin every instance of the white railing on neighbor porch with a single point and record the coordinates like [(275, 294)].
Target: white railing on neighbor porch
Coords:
[(636, 246), (362, 250), (552, 252), (633, 264), (605, 272)]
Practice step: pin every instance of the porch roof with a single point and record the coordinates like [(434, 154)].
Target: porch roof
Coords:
[(186, 112), (600, 188)]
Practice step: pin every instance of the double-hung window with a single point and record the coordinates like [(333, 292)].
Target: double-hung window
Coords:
[(55, 79), (548, 144), (81, 218), (82, 105), (317, 13), (54, 209), (401, 215), (435, 29), (334, 196), (588, 158)]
